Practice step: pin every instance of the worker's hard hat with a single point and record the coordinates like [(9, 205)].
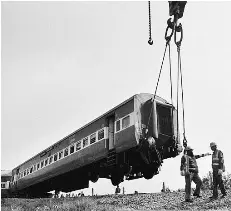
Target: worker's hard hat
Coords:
[(188, 148), (213, 144)]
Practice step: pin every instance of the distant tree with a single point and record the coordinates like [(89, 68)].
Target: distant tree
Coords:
[(207, 181)]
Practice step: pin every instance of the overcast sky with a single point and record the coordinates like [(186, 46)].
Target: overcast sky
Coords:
[(65, 63)]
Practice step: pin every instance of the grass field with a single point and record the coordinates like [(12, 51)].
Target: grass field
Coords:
[(154, 201)]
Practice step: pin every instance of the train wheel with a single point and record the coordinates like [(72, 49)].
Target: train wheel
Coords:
[(117, 177), (148, 172), (115, 180), (94, 177)]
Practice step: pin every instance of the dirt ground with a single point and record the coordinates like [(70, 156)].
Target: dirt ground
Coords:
[(136, 202)]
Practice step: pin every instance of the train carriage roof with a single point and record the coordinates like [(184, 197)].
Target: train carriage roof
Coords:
[(6, 173), (141, 95)]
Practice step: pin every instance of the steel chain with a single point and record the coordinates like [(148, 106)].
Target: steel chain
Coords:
[(150, 41)]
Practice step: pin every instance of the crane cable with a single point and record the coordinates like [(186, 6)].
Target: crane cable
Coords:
[(157, 84), (175, 28), (150, 41), (170, 71), (182, 95)]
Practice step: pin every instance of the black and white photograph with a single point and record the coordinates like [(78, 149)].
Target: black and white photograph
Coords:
[(115, 105)]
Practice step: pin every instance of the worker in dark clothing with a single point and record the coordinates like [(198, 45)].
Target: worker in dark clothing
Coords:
[(218, 168), (189, 169)]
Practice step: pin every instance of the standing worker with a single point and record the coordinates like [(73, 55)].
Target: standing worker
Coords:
[(189, 169), (218, 168)]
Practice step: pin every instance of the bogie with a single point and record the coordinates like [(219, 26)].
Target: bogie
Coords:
[(94, 177)]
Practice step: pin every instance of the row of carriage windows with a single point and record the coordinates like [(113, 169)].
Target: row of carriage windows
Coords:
[(120, 125), (65, 152)]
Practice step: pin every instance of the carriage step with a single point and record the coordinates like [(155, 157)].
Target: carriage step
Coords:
[(111, 158)]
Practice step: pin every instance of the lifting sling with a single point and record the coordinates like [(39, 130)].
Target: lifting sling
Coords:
[(176, 9)]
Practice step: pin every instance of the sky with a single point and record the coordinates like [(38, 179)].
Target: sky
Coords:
[(63, 64)]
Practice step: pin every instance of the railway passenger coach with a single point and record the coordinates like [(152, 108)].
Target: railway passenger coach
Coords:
[(5, 183), (128, 142)]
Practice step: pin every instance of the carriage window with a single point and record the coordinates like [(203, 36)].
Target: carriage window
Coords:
[(24, 173), (38, 166), (85, 142), (46, 162), (100, 134), (66, 152), (42, 163), (72, 148), (51, 159), (28, 171), (78, 145), (118, 126), (125, 122), (3, 185), (60, 154), (92, 138), (55, 157), (31, 169)]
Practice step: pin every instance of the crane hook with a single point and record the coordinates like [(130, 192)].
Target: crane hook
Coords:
[(150, 41)]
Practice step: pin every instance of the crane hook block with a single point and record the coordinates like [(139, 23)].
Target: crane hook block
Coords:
[(150, 41), (176, 8)]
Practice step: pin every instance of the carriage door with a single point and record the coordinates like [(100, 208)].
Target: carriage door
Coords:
[(111, 122)]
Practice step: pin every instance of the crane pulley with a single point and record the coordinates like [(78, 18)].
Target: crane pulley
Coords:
[(176, 9)]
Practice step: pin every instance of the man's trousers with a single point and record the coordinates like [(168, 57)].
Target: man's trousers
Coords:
[(188, 180), (217, 180)]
